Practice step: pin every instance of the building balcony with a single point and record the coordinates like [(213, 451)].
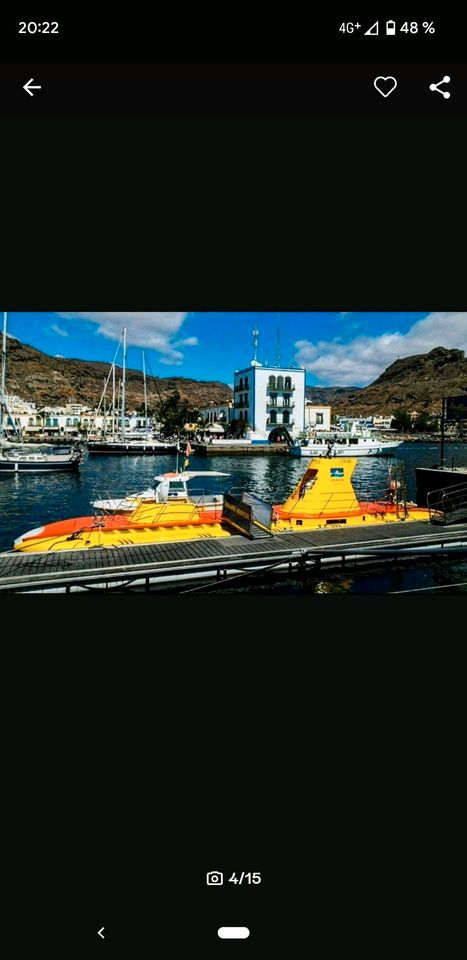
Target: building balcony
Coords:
[(279, 406), (278, 423), (240, 406), (241, 389), (281, 389)]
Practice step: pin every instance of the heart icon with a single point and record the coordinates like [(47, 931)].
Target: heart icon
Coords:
[(385, 85)]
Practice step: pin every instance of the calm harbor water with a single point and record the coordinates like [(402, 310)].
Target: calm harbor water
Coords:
[(28, 501)]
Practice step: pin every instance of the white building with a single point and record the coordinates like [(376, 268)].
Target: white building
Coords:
[(317, 416), (15, 404), (217, 412), (382, 423), (23, 414), (268, 398)]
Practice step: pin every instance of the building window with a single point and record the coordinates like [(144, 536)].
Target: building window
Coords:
[(31, 422), (241, 383), (280, 383), (288, 383), (246, 383), (272, 383), (286, 401), (319, 418), (285, 417), (273, 416), (273, 400)]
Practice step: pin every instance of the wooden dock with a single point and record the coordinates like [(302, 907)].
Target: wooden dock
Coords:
[(157, 566)]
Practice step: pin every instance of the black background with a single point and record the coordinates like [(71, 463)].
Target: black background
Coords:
[(149, 741)]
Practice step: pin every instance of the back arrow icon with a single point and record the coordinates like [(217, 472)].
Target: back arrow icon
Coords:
[(100, 934), (30, 86)]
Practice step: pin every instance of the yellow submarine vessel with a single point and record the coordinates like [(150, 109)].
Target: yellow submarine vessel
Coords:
[(323, 498)]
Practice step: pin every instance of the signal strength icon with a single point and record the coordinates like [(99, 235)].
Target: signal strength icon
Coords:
[(372, 31)]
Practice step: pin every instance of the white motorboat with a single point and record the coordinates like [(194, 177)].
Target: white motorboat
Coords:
[(355, 442), (170, 486)]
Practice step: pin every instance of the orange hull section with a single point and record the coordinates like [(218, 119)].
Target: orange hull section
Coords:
[(114, 522)]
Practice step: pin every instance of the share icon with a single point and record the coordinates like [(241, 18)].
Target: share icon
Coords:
[(436, 86)]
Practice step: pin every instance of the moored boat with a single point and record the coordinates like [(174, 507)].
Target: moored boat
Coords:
[(353, 443), (165, 514), (170, 486), (40, 458), (137, 446), (325, 498)]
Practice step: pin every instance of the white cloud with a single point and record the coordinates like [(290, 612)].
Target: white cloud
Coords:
[(363, 359), (58, 330), (187, 342), (152, 330)]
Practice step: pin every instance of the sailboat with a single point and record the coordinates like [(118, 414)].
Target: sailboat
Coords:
[(19, 457), (127, 443)]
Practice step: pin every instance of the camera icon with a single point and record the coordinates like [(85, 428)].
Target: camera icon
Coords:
[(214, 878)]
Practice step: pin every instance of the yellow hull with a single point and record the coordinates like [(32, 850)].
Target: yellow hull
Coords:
[(325, 498), (89, 539), (292, 524)]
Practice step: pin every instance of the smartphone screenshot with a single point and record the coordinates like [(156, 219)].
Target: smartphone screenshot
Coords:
[(233, 481)]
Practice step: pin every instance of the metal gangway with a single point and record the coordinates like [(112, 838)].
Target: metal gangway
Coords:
[(448, 505)]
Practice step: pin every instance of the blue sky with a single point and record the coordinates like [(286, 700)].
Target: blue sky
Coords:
[(335, 348)]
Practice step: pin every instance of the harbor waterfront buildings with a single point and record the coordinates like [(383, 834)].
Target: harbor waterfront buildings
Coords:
[(222, 413), (317, 416), (270, 399), (69, 421)]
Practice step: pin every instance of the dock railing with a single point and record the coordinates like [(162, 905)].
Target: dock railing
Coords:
[(448, 505)]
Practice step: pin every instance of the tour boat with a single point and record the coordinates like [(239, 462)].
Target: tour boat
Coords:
[(165, 514), (325, 498), (170, 486), (355, 442)]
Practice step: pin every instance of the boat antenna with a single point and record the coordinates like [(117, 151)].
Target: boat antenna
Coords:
[(123, 383)]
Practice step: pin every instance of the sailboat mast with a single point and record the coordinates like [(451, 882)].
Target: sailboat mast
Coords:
[(123, 383), (113, 401), (105, 407), (145, 396), (3, 387)]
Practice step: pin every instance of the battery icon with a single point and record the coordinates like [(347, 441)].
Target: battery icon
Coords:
[(391, 28)]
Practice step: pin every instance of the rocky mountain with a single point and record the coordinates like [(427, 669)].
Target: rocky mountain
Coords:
[(330, 395), (33, 375), (417, 383)]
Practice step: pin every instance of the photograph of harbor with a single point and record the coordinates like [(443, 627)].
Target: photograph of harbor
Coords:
[(231, 453)]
